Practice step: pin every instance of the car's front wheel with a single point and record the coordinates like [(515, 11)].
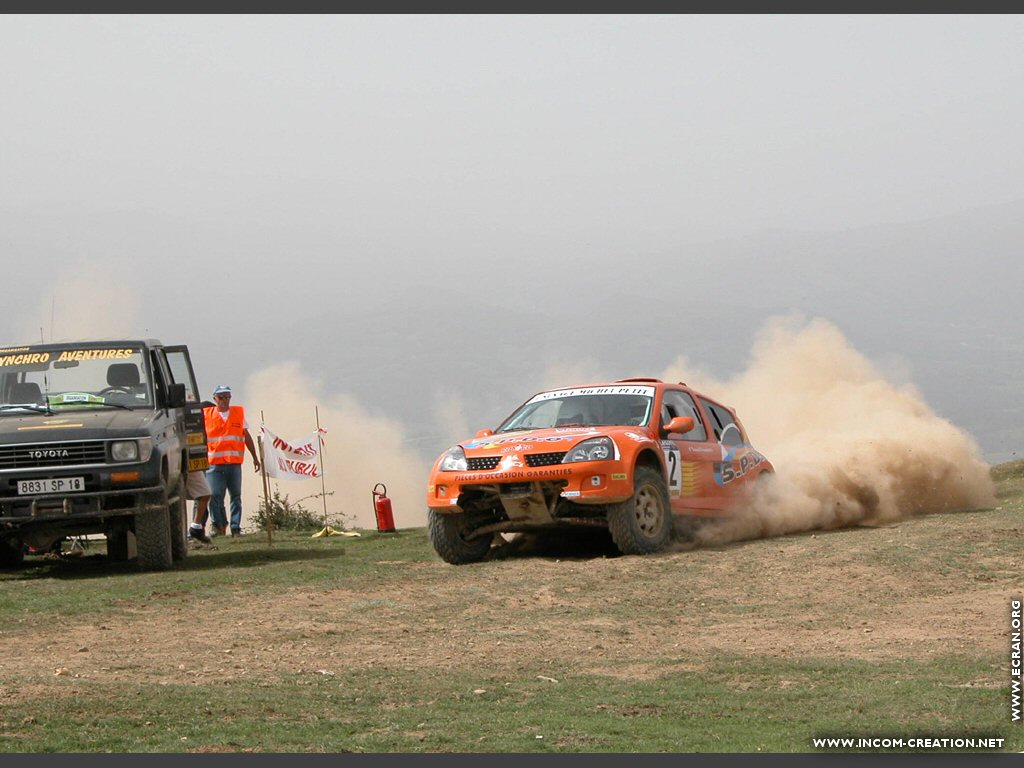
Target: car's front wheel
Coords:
[(12, 553), (643, 523), (153, 535), (448, 535), (177, 511)]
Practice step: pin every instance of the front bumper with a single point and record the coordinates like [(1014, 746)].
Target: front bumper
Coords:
[(43, 507), (585, 482), (110, 491)]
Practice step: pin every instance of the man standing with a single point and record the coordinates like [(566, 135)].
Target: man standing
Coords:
[(197, 489), (227, 436)]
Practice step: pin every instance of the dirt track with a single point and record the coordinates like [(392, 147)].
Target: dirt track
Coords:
[(925, 587)]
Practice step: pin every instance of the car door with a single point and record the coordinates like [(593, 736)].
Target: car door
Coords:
[(689, 457), (179, 363)]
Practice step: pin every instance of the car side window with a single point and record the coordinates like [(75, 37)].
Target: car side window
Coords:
[(726, 430), (676, 403)]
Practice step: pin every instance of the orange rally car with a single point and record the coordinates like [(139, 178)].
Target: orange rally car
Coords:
[(626, 455)]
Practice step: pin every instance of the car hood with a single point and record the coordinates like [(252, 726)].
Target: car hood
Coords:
[(100, 423), (549, 440)]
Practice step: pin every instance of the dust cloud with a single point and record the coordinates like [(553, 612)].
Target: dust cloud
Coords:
[(450, 413), (849, 447), (362, 449), (83, 305)]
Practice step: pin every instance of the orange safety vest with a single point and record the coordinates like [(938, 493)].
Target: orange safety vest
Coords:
[(225, 439)]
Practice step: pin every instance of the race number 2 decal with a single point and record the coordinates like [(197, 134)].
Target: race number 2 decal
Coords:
[(675, 475)]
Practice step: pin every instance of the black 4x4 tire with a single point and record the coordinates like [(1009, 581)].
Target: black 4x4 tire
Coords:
[(12, 553), (153, 535), (177, 511), (643, 523), (447, 534)]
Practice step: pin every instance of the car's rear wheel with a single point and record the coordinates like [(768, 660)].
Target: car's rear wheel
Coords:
[(643, 523), (448, 535)]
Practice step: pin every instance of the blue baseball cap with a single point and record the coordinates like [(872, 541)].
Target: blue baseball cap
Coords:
[(222, 390)]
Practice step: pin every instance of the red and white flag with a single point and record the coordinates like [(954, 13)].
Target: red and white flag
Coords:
[(295, 460)]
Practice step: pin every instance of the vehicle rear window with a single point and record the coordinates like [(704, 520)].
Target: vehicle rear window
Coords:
[(726, 430)]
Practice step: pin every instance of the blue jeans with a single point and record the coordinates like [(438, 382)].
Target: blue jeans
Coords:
[(225, 477)]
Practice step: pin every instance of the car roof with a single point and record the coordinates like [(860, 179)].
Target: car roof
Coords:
[(89, 344), (658, 384), (663, 385)]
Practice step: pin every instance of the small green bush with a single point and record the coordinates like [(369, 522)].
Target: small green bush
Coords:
[(285, 515)]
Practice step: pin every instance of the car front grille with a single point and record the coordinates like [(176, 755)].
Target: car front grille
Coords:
[(483, 462), (544, 459), (39, 455)]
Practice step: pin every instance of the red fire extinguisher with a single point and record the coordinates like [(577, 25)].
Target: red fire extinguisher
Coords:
[(382, 507)]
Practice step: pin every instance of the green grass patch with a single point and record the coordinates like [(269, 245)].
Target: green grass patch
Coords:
[(90, 586), (738, 704)]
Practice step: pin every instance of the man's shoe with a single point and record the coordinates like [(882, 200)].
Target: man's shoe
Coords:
[(236, 531), (199, 535), (219, 530)]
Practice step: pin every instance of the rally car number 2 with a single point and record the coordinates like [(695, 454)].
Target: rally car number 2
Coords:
[(672, 466)]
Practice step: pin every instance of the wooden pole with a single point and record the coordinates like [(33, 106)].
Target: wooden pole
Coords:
[(268, 517), (320, 454)]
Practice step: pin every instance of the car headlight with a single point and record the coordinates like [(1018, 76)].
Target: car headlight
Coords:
[(131, 450), (454, 460), (594, 449)]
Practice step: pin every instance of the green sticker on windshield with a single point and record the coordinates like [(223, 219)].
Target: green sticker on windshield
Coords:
[(75, 398)]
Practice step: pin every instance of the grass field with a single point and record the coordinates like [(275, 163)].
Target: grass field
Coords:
[(372, 644)]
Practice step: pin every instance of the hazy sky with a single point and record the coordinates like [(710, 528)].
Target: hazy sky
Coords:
[(640, 131), (354, 193)]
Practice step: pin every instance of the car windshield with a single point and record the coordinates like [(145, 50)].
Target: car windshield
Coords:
[(618, 405), (52, 379)]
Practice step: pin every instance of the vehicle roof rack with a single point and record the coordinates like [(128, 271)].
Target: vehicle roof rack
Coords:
[(656, 381)]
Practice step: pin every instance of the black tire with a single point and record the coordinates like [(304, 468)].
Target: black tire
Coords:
[(153, 537), (447, 535), (643, 523), (117, 546), (177, 512), (12, 553)]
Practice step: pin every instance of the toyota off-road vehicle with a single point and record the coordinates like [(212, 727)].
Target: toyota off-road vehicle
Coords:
[(96, 437)]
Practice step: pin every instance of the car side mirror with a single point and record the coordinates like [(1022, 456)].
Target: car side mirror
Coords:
[(681, 425), (176, 396), (485, 433)]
